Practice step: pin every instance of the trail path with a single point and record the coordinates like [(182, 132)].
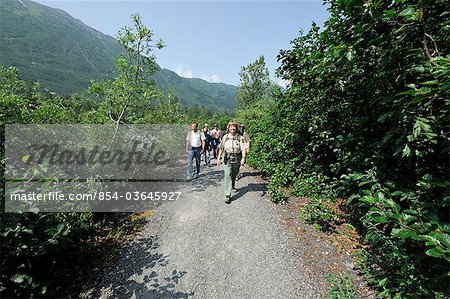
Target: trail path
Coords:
[(201, 247)]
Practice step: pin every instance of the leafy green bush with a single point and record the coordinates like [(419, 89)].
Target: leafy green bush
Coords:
[(34, 243), (341, 286), (404, 240), (367, 109)]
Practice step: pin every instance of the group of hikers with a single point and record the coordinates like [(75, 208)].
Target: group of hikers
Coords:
[(229, 148)]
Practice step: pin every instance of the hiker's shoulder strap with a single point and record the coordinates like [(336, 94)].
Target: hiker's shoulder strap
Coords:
[(224, 138), (238, 137)]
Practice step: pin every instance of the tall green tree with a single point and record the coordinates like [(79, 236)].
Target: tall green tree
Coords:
[(254, 83), (132, 90)]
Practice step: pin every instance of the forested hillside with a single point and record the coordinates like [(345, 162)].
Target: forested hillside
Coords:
[(194, 91), (51, 47)]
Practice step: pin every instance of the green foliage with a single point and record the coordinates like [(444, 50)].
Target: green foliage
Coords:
[(367, 110), (24, 103), (406, 235), (341, 286), (254, 83), (322, 207), (30, 241), (167, 110), (312, 185), (126, 97), (321, 211)]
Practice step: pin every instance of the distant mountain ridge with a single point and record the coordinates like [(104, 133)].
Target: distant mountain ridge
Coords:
[(64, 54)]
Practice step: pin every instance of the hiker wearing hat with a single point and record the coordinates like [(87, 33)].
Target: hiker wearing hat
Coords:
[(232, 152), (216, 134), (195, 145), (208, 140)]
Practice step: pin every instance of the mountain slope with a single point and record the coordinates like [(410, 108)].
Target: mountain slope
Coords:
[(50, 46), (197, 91), (64, 54)]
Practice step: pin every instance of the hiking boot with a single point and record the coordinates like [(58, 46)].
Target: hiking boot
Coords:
[(239, 176), (227, 199)]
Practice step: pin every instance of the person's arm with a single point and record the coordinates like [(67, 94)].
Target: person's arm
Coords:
[(202, 140), (188, 142), (243, 158), (221, 149), (219, 157)]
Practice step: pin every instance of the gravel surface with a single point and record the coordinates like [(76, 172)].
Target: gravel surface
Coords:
[(201, 247)]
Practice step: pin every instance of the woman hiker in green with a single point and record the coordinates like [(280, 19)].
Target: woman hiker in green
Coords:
[(233, 150)]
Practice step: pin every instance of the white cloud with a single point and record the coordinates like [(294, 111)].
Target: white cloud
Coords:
[(213, 78), (186, 73), (181, 71), (281, 82)]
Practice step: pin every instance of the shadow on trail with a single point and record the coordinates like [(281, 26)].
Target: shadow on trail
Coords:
[(261, 187), (246, 174), (210, 178), (137, 279), (213, 177)]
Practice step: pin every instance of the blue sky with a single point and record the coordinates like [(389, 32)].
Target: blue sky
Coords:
[(206, 39)]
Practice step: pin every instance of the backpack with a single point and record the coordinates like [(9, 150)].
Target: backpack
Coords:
[(225, 137), (208, 140)]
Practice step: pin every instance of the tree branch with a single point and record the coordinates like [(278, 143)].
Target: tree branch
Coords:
[(110, 116), (434, 43), (424, 35)]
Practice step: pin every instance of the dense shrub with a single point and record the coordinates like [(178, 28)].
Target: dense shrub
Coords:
[(367, 106), (32, 244)]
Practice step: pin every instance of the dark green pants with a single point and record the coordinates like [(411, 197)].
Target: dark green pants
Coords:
[(230, 172)]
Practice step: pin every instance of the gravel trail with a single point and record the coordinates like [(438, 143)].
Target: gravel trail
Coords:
[(201, 247)]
